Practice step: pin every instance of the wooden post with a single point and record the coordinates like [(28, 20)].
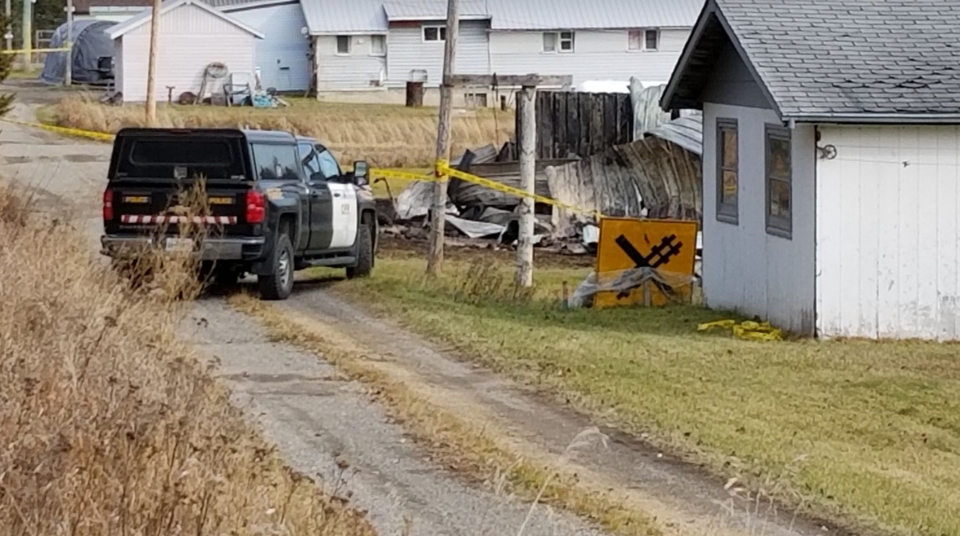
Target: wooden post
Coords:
[(526, 110), (152, 65), (27, 34), (444, 133), (68, 72), (8, 31)]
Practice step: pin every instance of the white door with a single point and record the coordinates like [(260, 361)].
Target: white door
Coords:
[(888, 232), (345, 217)]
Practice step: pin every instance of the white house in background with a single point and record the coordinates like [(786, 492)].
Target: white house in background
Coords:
[(369, 49), (193, 35), (831, 163)]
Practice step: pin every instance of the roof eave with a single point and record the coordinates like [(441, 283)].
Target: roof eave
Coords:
[(712, 8), (877, 119)]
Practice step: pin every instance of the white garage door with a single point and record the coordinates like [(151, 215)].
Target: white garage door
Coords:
[(888, 224)]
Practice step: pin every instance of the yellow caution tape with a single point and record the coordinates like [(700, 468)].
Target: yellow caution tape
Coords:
[(443, 170), (34, 50), (748, 330), (90, 134)]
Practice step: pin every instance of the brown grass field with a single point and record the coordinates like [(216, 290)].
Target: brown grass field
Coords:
[(384, 135), (109, 425)]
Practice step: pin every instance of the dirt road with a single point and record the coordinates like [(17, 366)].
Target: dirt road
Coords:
[(328, 426)]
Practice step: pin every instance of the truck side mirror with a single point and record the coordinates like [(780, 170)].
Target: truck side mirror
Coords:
[(361, 172)]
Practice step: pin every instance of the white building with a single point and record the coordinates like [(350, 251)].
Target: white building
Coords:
[(831, 163), (369, 49), (193, 35)]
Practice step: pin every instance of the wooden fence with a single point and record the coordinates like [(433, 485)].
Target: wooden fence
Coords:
[(581, 124)]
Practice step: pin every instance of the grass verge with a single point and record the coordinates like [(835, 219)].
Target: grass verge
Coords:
[(109, 425), (384, 135), (864, 433), (467, 443)]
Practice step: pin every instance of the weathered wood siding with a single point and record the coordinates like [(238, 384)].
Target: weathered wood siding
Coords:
[(581, 124), (888, 232)]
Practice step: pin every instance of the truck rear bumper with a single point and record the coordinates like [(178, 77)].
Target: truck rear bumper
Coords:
[(209, 249)]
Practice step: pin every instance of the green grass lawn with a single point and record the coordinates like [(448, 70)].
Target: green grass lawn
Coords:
[(861, 432)]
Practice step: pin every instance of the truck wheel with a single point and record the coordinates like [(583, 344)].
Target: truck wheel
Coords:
[(279, 283), (364, 252)]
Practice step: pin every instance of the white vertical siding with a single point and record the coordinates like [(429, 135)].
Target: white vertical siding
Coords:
[(745, 268), (888, 223), (283, 56), (407, 52), (598, 55), (190, 39), (358, 70), (118, 64)]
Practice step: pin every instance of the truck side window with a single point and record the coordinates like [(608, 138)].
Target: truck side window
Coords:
[(276, 162), (311, 166), (328, 164)]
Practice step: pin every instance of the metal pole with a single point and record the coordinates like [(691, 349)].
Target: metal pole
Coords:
[(68, 73), (152, 66), (27, 34), (438, 211), (526, 107)]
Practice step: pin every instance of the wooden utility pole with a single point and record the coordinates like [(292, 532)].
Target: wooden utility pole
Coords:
[(526, 108), (27, 34), (8, 31), (444, 133), (68, 68), (152, 66)]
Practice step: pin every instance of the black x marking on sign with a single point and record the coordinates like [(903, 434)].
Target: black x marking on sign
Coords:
[(659, 255)]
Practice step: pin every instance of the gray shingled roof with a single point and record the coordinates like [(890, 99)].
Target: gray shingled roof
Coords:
[(846, 59)]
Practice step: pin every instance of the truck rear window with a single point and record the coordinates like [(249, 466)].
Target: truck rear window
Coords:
[(181, 158)]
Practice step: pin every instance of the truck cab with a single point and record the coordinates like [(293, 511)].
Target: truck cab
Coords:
[(274, 203)]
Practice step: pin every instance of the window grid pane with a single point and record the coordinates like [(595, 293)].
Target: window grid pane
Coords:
[(728, 173), (779, 182), (653, 39)]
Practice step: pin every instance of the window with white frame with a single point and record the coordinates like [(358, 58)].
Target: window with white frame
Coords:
[(558, 41), (434, 34), (651, 39), (378, 45), (635, 40), (343, 45)]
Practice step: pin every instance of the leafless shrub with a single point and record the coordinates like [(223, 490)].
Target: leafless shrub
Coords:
[(485, 280), (109, 426)]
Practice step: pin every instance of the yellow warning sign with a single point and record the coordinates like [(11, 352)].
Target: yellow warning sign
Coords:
[(648, 262)]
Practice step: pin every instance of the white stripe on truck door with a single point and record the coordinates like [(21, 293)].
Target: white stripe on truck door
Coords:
[(344, 215)]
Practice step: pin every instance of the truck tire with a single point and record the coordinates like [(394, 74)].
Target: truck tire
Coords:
[(364, 252), (279, 283)]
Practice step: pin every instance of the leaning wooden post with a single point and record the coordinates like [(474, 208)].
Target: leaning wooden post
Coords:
[(444, 133), (152, 65), (526, 107)]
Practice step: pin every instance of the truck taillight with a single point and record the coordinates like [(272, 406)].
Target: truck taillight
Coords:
[(256, 208), (108, 205)]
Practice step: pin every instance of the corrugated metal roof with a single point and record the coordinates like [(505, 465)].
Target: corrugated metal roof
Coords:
[(593, 14), (433, 10), (345, 17), (234, 5), (371, 16), (687, 132)]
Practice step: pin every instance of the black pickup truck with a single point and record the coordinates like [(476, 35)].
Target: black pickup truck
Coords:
[(276, 203)]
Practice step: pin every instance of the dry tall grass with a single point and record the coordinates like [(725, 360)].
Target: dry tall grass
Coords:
[(384, 135), (108, 426)]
